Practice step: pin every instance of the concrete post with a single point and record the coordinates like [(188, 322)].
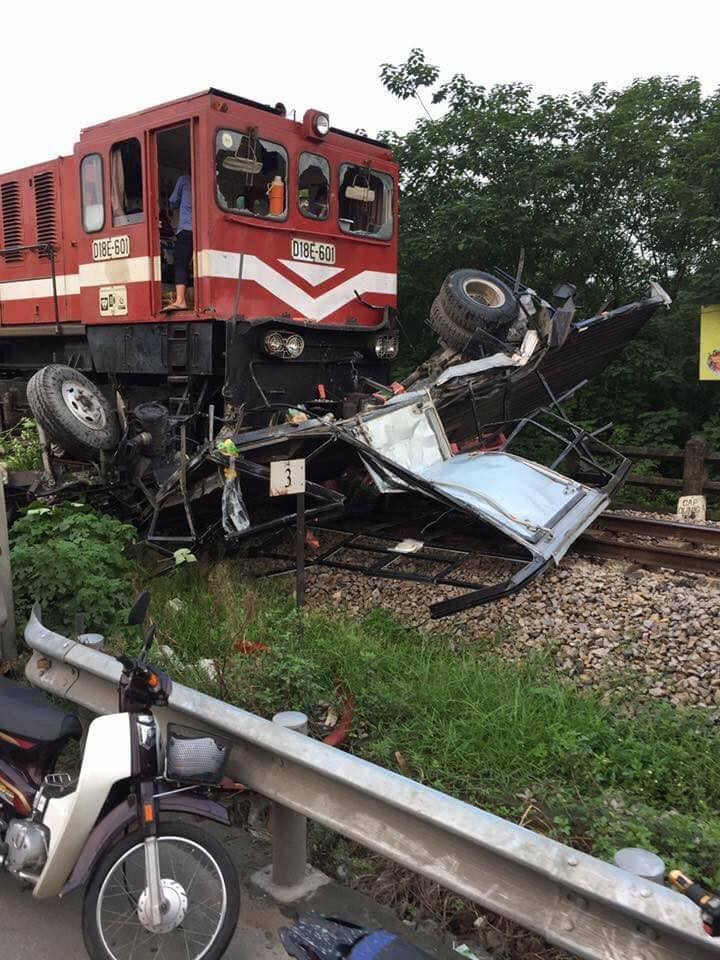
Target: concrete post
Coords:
[(694, 475), (289, 829)]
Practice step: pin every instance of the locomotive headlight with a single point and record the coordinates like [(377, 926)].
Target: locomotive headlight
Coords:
[(294, 346), (274, 343), (321, 124), (386, 347)]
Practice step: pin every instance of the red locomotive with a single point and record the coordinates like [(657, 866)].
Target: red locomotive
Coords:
[(273, 288), (294, 236)]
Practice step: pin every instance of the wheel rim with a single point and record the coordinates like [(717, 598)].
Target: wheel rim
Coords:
[(482, 291), (84, 404), (195, 889)]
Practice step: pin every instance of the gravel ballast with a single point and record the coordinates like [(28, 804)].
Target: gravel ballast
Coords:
[(649, 634)]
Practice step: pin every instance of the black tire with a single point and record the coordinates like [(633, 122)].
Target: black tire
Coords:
[(471, 298), (448, 331), (72, 411), (93, 940)]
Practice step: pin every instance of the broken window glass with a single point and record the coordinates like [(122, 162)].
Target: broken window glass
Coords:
[(250, 174), (126, 183), (313, 186), (366, 202)]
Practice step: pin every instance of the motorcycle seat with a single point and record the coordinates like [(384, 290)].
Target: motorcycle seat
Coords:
[(27, 714)]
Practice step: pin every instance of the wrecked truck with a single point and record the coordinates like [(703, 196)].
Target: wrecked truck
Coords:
[(171, 417)]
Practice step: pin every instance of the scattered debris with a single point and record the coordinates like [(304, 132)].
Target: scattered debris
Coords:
[(170, 471)]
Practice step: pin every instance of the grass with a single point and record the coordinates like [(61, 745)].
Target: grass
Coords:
[(512, 738)]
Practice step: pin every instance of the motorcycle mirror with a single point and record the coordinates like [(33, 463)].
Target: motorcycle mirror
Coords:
[(139, 609), (147, 641)]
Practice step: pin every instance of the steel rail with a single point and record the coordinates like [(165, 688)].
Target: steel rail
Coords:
[(581, 904), (665, 529), (596, 544)]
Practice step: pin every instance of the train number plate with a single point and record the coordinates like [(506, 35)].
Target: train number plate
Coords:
[(311, 251), (111, 248)]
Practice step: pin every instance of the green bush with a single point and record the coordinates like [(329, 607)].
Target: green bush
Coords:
[(20, 446), (71, 559)]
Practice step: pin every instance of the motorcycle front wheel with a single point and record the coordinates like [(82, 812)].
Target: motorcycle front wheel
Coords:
[(201, 899)]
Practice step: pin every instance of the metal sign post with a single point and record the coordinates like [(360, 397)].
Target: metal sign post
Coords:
[(288, 477)]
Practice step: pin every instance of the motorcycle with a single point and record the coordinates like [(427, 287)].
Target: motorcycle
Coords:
[(155, 885)]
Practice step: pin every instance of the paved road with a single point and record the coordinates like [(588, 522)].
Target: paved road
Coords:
[(50, 929)]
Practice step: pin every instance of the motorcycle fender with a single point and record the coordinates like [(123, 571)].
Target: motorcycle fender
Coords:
[(124, 817), (107, 759)]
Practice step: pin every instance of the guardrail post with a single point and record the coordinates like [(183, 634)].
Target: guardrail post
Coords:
[(643, 863), (289, 829), (289, 877)]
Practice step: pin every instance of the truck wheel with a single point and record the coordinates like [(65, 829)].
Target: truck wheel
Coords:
[(458, 337), (471, 298), (72, 411)]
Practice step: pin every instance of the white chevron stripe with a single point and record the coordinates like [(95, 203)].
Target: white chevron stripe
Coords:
[(313, 273), (223, 264), (131, 270), (68, 285), (128, 270)]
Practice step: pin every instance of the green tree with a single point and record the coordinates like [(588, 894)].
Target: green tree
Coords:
[(603, 188)]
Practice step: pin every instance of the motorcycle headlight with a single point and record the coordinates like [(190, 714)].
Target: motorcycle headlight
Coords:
[(274, 343), (386, 347), (294, 345)]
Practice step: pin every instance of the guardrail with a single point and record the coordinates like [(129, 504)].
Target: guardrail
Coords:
[(584, 905)]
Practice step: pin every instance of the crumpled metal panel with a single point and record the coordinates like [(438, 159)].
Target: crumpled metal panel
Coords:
[(523, 499), (474, 367), (536, 506)]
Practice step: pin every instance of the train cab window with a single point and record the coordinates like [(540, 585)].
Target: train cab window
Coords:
[(250, 174), (365, 202), (313, 186), (92, 193), (126, 195)]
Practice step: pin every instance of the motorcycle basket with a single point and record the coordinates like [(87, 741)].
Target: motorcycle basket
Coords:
[(194, 756)]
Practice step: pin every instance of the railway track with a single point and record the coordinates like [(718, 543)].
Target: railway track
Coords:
[(654, 543)]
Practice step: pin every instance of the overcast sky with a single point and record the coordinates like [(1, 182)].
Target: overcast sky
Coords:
[(70, 64)]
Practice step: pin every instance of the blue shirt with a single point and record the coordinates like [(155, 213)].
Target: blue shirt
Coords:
[(182, 197)]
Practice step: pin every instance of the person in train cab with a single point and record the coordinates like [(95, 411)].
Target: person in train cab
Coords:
[(181, 200)]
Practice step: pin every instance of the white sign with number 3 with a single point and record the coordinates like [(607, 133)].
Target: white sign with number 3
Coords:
[(287, 476)]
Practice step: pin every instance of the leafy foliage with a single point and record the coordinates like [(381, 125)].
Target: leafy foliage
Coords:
[(603, 188), (20, 446), (511, 737), (71, 560)]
